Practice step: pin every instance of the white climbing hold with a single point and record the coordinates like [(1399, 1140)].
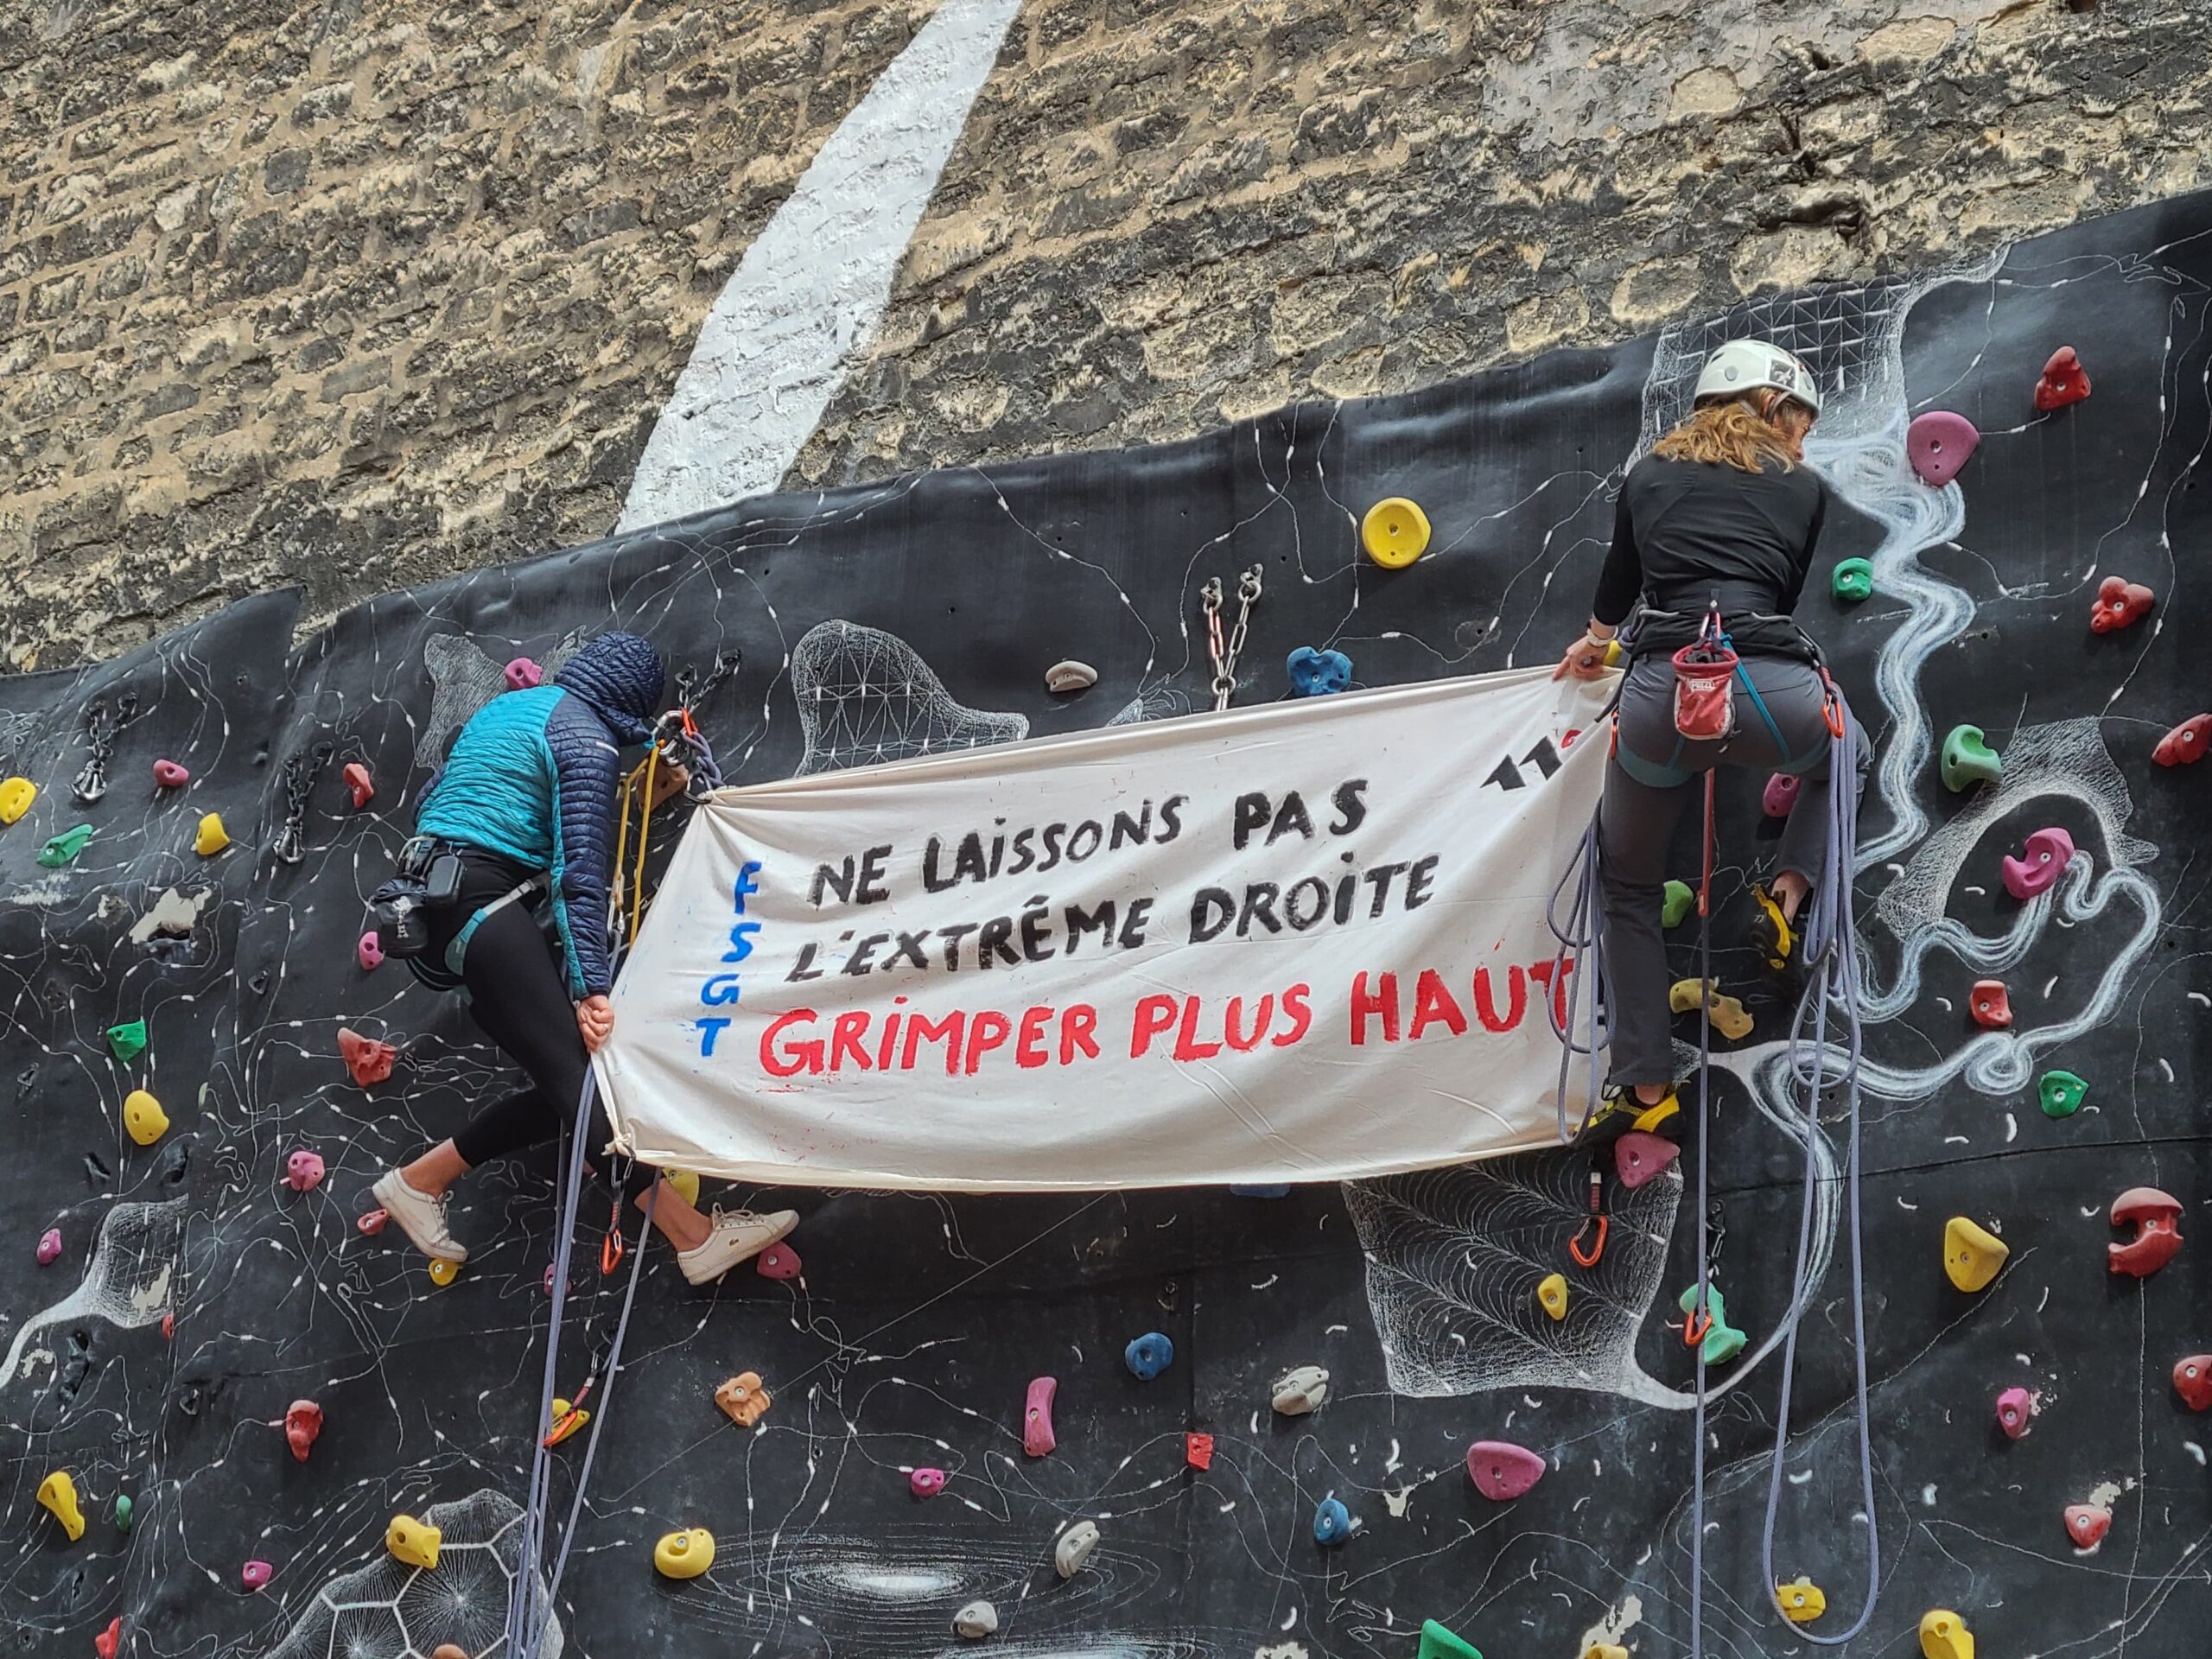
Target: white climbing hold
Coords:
[(1069, 676), (1074, 1548), (975, 1621), (1297, 1391)]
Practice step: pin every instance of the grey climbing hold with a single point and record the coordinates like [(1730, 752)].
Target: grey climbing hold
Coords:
[(1071, 676), (1297, 1391), (1074, 1548), (975, 1621)]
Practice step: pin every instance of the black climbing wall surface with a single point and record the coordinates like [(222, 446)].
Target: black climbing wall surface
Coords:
[(871, 621)]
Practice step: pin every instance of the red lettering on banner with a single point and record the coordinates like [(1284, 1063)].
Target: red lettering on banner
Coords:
[(1078, 1026), (947, 1031), (988, 1030), (845, 1038), (799, 1055), (1260, 1020), (1302, 1014), (1154, 1014), (1382, 1002), (1029, 1047), (1434, 1005), (1516, 990), (1187, 1046), (1541, 973)]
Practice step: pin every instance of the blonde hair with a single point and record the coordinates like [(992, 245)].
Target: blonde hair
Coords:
[(1729, 431)]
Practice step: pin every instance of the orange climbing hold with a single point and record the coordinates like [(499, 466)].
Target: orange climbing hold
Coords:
[(1991, 1004), (359, 785), (2184, 745), (2064, 380), (2193, 1381), (2155, 1216), (109, 1642), (2121, 604), (369, 1060)]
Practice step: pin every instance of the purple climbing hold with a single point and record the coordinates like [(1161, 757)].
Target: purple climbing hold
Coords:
[(369, 952), (2048, 852), (1637, 1157), (303, 1171), (49, 1247), (1938, 443), (1502, 1470), (522, 674), (1781, 794)]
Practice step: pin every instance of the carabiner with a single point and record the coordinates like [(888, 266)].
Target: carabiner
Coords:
[(611, 1248), (1696, 1326), (1597, 1214)]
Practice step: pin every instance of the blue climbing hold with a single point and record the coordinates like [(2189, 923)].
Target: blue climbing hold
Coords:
[(1149, 1356), (1331, 1523), (1317, 673), (1280, 1190)]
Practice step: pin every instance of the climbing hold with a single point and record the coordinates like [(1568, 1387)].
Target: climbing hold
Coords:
[(1943, 1634), (2014, 1408), (369, 1060), (144, 1118), (684, 1554), (443, 1272), (925, 1482), (302, 1422), (1780, 794), (1331, 1523), (1437, 1642), (1299, 1390), (1722, 1341), (776, 1262), (58, 1492), (448, 1650), (1729, 1016), (567, 1418), (1638, 1157), (170, 775), (1147, 1356), (1395, 532), (1801, 1601), (2064, 380), (743, 1398), (1037, 1437), (359, 784), (686, 1184), (521, 674), (212, 837), (2061, 1093), (2048, 854), (369, 952), (1604, 1651), (303, 1171), (2193, 1381), (1551, 1294), (2087, 1525), (1197, 1451), (1071, 676), (413, 1542), (1991, 1004), (371, 1222), (1676, 903), (109, 1642), (2154, 1216), (169, 1328), (975, 1621), (127, 1042), (1853, 580), (1502, 1470), (1271, 1190), (65, 847), (1971, 1255), (1967, 759), (1938, 443), (123, 1508), (1074, 1548), (2186, 743), (2121, 604), (254, 1574), (49, 1247), (16, 798), (1318, 673)]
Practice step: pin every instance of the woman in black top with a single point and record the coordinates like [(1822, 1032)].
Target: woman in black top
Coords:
[(1723, 511)]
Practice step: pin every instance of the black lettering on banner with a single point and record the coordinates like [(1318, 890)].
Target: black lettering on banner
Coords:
[(1543, 757)]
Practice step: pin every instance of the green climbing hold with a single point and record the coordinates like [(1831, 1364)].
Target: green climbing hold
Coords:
[(1968, 760), (128, 1041), (1677, 904), (123, 1507), (2062, 1093), (1724, 1341), (1437, 1642), (65, 847), (1854, 580)]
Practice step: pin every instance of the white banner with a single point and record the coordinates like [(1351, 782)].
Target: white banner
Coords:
[(1300, 942)]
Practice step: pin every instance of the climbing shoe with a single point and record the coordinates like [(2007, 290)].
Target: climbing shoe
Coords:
[(421, 1216), (738, 1236), (1771, 935), (1620, 1110)]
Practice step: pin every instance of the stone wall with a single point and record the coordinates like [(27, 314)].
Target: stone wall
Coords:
[(356, 294)]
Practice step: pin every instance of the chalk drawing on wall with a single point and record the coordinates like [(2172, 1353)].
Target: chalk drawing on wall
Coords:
[(865, 697)]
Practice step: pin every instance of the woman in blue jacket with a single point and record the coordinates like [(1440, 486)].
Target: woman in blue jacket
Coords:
[(528, 801)]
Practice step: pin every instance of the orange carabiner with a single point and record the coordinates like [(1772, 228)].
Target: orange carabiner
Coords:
[(1597, 1250), (1696, 1327)]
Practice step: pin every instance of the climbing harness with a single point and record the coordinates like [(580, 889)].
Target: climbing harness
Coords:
[(301, 768), (1597, 1221), (101, 725), (1225, 653)]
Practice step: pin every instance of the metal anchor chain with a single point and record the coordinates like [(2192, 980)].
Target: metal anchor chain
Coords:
[(301, 770), (100, 726), (1225, 653)]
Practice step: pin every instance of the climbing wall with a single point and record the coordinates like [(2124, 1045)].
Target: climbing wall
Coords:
[(196, 1294)]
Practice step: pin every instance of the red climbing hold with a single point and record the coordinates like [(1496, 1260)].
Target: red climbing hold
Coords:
[(777, 1262), (369, 1060), (1637, 1157), (2121, 604), (2087, 1525), (169, 1328), (2014, 1408), (302, 1422), (170, 775), (109, 1642), (1197, 1451), (2048, 854), (2193, 1381), (1502, 1470), (1991, 1004), (1938, 443), (359, 784), (2154, 1216), (2186, 743), (372, 1222), (1781, 794), (2064, 380)]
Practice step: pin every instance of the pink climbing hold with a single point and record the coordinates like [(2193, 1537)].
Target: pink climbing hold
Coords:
[(255, 1574), (2087, 1525), (372, 1222), (2048, 852), (925, 1482), (1502, 1470), (1037, 1437), (776, 1262), (359, 784), (2185, 745), (1638, 1157), (2064, 380), (369, 1060), (303, 1171), (1781, 794), (2121, 604), (170, 775), (1938, 443), (2014, 1408), (2193, 1381), (522, 674), (302, 1422), (49, 1247), (369, 952)]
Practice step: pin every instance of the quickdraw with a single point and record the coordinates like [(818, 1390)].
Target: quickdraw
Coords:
[(1596, 1219), (301, 768), (100, 727), (1224, 653)]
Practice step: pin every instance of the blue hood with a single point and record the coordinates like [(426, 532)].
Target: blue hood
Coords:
[(621, 678)]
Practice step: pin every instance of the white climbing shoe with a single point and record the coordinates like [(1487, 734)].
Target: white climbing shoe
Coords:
[(739, 1235), (421, 1216)]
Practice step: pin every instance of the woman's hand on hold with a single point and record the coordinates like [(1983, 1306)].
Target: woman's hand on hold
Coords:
[(595, 1022), (1584, 659)]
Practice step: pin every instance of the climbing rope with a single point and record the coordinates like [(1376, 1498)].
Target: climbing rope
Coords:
[(1225, 653)]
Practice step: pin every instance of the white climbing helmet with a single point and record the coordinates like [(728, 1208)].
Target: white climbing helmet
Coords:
[(1744, 365)]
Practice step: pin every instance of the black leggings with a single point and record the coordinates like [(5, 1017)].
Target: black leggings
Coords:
[(517, 998)]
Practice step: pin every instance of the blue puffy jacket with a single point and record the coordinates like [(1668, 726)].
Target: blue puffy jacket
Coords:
[(534, 776)]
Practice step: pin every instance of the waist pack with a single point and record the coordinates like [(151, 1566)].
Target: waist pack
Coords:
[(1705, 676), (399, 911)]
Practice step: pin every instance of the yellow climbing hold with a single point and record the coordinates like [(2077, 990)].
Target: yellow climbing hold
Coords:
[(1653, 1116), (686, 1183), (1552, 1294), (1802, 1601), (1971, 1256), (144, 1118), (1395, 532), (567, 1419), (684, 1554), (58, 1491), (213, 837), (1604, 1651), (1943, 1634), (1730, 1018), (443, 1272), (16, 798), (413, 1541)]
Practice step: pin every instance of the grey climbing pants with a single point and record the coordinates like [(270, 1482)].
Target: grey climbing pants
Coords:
[(1653, 775)]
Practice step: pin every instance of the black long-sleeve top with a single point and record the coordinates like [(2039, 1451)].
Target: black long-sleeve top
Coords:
[(1683, 527)]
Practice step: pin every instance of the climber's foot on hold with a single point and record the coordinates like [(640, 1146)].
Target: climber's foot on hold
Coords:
[(1643, 1106), (420, 1215), (736, 1235), (1772, 934)]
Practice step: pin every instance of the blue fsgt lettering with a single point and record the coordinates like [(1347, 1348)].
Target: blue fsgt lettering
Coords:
[(709, 1028), (741, 939), (744, 883), (722, 988)]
